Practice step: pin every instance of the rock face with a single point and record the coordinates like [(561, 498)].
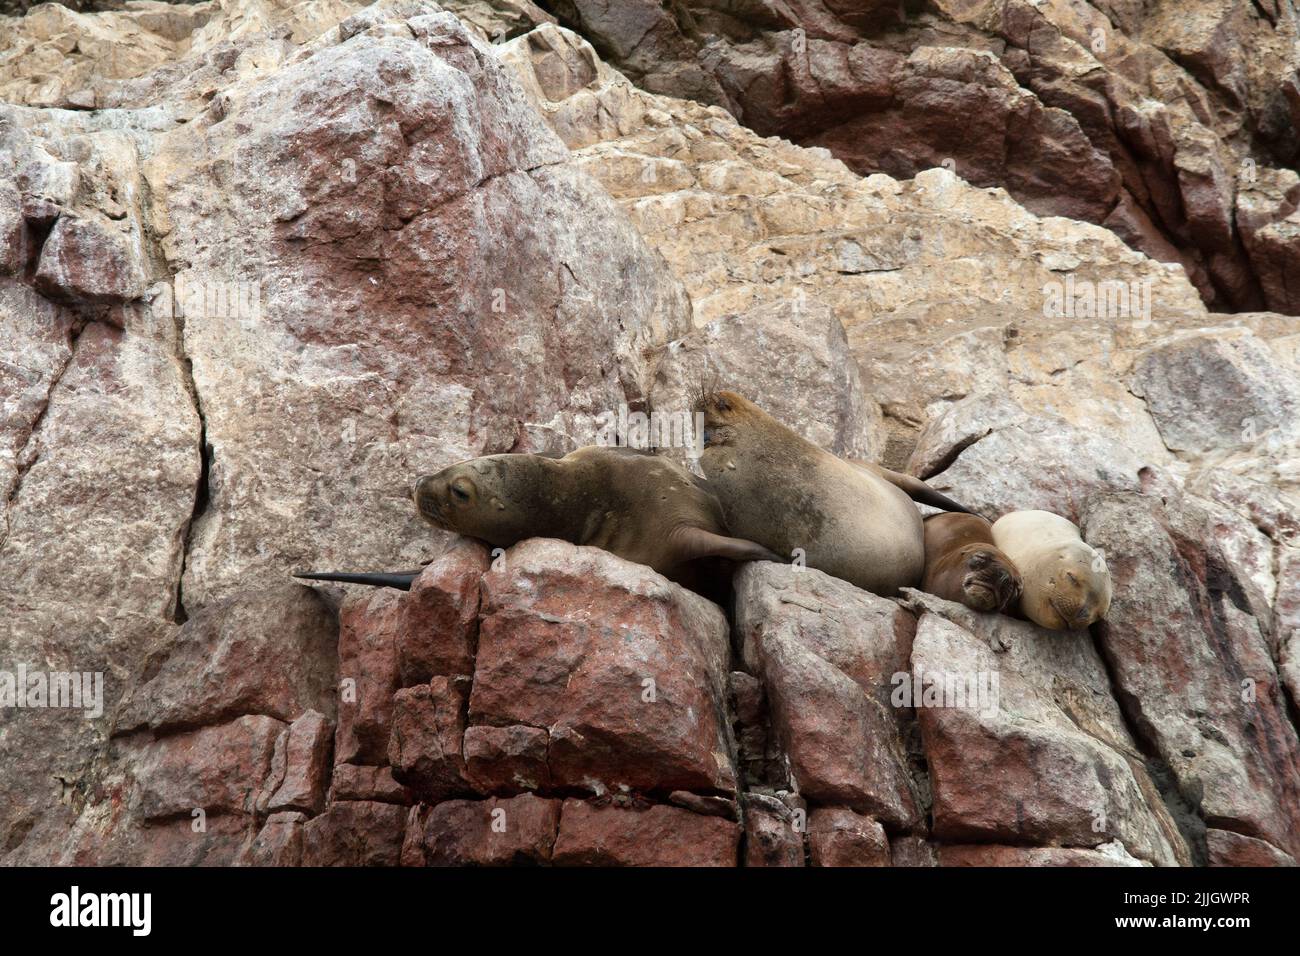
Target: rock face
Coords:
[(263, 263), (1170, 123)]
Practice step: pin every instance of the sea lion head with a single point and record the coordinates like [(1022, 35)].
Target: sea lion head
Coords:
[(1076, 589), (492, 498), (990, 581), (724, 414)]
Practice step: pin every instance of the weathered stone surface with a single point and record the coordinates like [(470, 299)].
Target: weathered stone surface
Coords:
[(355, 782), (816, 386), (88, 261), (468, 281), (440, 626), (1215, 391), (507, 759), (354, 833), (305, 751), (772, 834), (368, 675), (278, 843), (1006, 701), (1234, 849), (220, 769), (825, 652), (230, 660), (625, 670), (659, 836), (839, 837), (1110, 854), (1194, 668), (494, 832), (425, 749)]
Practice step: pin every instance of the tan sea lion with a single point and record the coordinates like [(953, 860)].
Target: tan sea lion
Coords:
[(854, 521), (962, 564), (634, 504), (1066, 583)]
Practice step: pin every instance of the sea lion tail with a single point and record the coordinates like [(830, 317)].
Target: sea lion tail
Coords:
[(397, 579), (915, 488)]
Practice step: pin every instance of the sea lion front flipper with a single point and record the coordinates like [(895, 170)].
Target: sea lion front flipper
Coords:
[(915, 488), (396, 579), (698, 543)]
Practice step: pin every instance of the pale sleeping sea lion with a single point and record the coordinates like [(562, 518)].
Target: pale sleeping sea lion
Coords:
[(963, 564), (854, 521), (1066, 583), (633, 504)]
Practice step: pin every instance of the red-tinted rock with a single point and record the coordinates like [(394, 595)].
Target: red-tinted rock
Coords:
[(1023, 740), (355, 833), (356, 782), (826, 651), (220, 842), (441, 616), (428, 729), (1226, 848), (306, 767), (626, 670), (839, 837), (912, 851), (993, 855), (506, 759), (279, 843), (1194, 668), (88, 260), (659, 836), (771, 835), (494, 832), (213, 769), (232, 658), (368, 676)]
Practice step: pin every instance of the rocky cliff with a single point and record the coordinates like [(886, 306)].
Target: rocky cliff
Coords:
[(261, 263)]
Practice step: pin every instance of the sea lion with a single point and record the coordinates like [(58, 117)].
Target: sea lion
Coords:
[(962, 564), (636, 505), (632, 503), (854, 521), (1066, 583)]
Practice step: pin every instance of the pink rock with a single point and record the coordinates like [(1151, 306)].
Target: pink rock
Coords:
[(994, 855), (1181, 619), (214, 769), (507, 759), (356, 782), (441, 616), (86, 260), (494, 832), (306, 746), (626, 670), (840, 837), (428, 728), (825, 651), (659, 836), (1226, 848), (230, 659), (771, 836), (279, 843), (368, 676), (355, 833)]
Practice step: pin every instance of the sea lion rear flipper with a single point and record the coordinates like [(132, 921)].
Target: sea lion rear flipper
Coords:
[(915, 488), (698, 543), (395, 579)]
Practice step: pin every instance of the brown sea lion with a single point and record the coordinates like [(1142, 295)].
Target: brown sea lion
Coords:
[(636, 505), (962, 564), (1066, 582), (853, 521)]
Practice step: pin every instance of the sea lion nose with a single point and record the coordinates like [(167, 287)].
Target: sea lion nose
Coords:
[(426, 490)]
